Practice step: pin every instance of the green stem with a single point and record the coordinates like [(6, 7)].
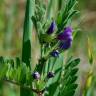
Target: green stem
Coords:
[(59, 4), (27, 38), (43, 60), (47, 55)]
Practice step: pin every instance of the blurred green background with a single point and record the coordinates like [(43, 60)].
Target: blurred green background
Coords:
[(11, 29)]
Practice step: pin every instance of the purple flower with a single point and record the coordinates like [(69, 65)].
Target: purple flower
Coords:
[(52, 28), (36, 75), (65, 38), (66, 34), (50, 75), (55, 53), (65, 44)]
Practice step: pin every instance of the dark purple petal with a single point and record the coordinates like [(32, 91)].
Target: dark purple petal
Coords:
[(36, 75), (68, 29), (55, 53), (66, 34), (52, 28), (50, 75), (65, 44)]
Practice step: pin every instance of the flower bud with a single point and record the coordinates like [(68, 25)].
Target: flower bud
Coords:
[(55, 53), (36, 75), (52, 28), (50, 75)]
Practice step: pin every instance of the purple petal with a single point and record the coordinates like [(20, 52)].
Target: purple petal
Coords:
[(64, 36), (66, 44), (68, 29), (52, 28)]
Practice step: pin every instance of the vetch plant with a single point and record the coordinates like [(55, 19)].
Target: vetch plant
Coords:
[(52, 76)]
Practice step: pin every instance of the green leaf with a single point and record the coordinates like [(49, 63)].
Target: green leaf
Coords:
[(28, 76), (68, 85), (73, 63), (52, 89), (17, 61), (66, 14), (59, 19), (56, 67), (18, 74), (68, 92), (74, 71), (69, 89), (73, 12)]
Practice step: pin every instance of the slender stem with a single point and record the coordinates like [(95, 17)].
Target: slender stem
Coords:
[(27, 33), (27, 38), (53, 48), (59, 4)]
